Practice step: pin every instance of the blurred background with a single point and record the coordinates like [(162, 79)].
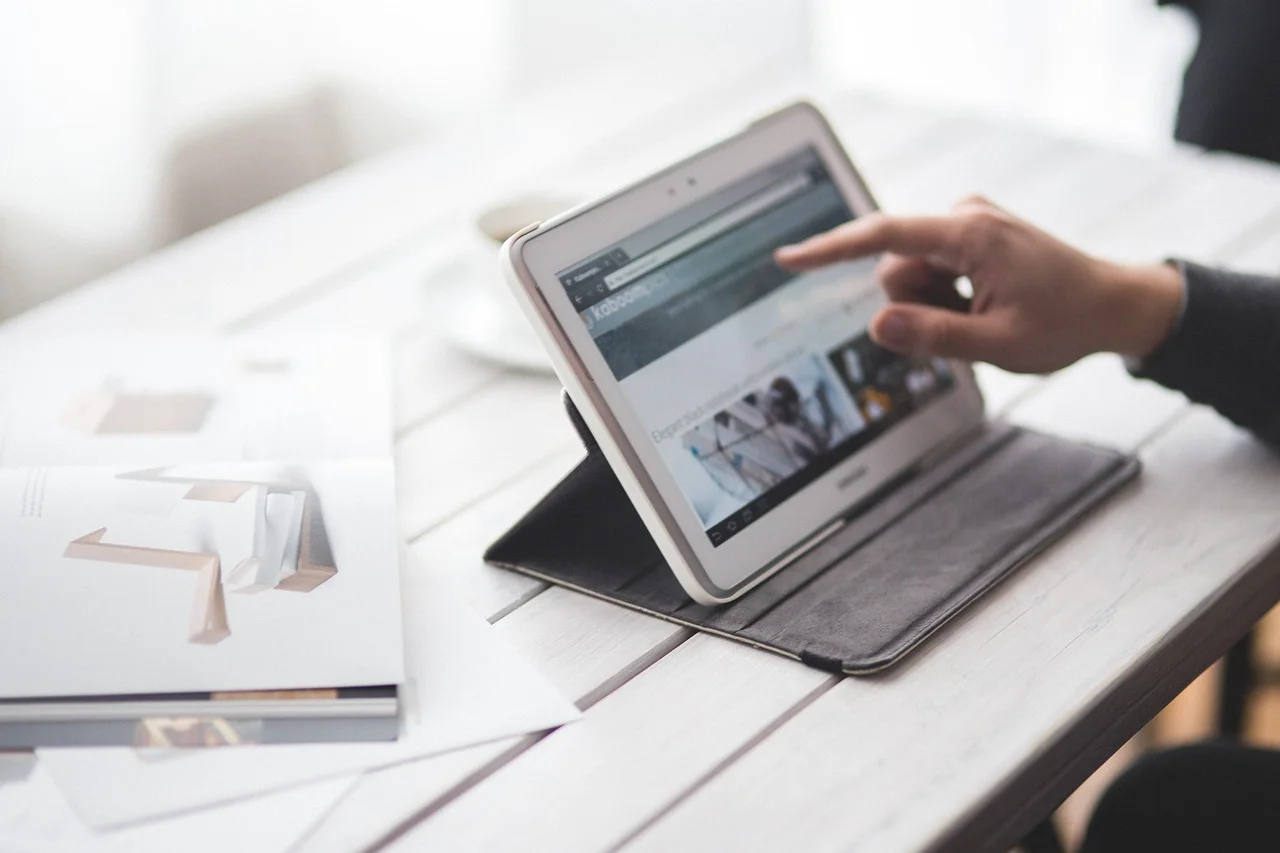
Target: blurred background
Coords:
[(129, 124)]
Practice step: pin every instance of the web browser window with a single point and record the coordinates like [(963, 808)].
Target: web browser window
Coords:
[(751, 380)]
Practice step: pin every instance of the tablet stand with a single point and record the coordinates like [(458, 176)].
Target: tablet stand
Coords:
[(868, 595)]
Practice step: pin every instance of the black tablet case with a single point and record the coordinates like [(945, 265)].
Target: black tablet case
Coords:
[(913, 558)]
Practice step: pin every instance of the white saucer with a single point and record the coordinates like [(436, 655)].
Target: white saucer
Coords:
[(471, 310)]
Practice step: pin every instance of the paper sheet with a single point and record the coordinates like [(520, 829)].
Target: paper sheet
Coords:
[(382, 800), (466, 686), (35, 818)]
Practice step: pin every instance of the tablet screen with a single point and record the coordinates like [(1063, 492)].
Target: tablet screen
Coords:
[(751, 380)]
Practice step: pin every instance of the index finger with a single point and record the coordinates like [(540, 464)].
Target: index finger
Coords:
[(934, 238)]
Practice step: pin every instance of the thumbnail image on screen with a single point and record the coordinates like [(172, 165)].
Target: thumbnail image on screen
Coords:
[(780, 437), (774, 431)]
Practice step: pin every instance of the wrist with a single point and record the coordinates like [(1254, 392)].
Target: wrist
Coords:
[(1142, 307)]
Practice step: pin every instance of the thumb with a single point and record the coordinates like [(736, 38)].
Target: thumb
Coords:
[(922, 330)]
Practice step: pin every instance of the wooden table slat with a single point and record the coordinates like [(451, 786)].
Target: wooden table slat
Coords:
[(1198, 212), (504, 428), (628, 759), (1121, 411), (454, 548)]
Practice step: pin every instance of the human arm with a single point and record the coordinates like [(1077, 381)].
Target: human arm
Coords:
[(1038, 305)]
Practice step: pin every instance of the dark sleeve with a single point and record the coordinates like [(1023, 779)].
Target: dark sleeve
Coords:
[(1225, 351)]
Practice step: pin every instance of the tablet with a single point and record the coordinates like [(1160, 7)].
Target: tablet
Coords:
[(744, 408)]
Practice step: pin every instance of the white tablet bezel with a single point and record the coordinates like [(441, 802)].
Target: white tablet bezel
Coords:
[(711, 574)]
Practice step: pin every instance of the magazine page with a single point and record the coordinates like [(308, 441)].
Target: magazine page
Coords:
[(188, 513), (199, 577)]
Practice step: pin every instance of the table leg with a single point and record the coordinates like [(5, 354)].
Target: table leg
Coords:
[(1238, 679), (1043, 839)]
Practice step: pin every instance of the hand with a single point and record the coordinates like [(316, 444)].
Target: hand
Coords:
[(1037, 305)]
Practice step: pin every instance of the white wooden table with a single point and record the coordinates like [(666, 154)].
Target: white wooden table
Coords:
[(694, 742)]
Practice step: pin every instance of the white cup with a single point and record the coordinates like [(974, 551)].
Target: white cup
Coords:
[(499, 221), (481, 316), (506, 218)]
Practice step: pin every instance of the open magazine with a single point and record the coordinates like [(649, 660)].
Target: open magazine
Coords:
[(200, 543)]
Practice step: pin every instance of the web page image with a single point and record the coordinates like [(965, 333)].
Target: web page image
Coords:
[(752, 381), (767, 436)]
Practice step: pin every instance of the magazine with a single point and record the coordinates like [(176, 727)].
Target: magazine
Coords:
[(194, 531)]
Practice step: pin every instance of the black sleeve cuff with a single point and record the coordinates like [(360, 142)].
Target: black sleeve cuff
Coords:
[(1225, 351)]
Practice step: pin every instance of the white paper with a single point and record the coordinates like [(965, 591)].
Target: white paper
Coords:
[(466, 686), (35, 818), (381, 800)]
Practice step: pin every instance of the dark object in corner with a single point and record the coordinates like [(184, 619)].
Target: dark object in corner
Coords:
[(1231, 89)]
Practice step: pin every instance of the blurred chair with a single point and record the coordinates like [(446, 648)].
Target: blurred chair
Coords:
[(246, 159)]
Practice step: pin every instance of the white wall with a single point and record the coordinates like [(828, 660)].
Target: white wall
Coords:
[(95, 97), (119, 116), (114, 114), (1107, 69), (671, 44)]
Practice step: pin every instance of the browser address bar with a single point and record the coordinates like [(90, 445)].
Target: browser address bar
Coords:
[(712, 228)]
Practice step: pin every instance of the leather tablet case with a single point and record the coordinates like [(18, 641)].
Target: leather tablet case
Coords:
[(896, 572)]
